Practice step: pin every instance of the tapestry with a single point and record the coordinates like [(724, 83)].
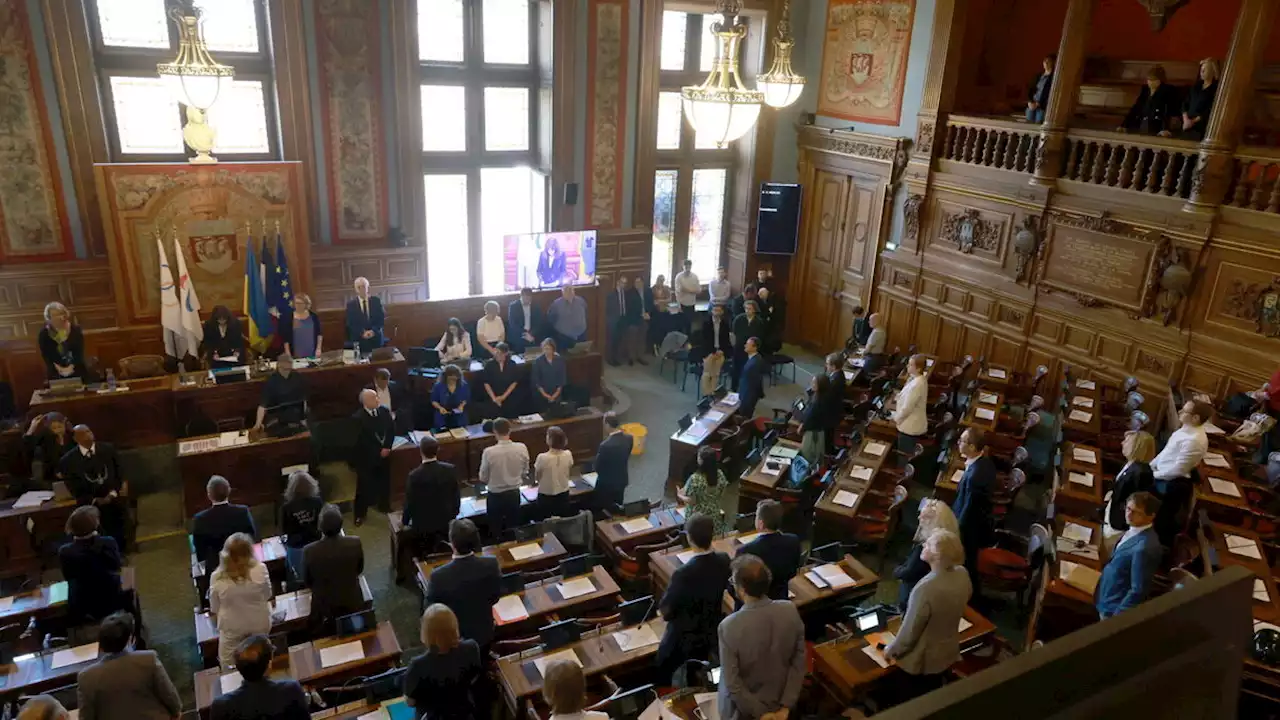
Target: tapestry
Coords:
[(606, 111), (350, 71), (864, 60), (214, 210), (32, 221)]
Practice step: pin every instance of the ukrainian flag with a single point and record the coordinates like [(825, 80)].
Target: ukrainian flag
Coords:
[(255, 301)]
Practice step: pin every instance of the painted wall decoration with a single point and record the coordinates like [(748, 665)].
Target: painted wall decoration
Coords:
[(209, 206), (606, 111), (32, 221), (864, 60), (347, 46)]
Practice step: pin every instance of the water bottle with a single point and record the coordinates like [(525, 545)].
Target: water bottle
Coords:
[(111, 380)]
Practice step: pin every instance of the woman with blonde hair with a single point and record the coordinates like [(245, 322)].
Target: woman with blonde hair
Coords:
[(61, 344), (1198, 104), (564, 687), (300, 329), (1136, 476), (934, 515), (439, 683), (240, 598)]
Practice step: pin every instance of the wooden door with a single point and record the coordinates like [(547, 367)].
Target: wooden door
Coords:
[(821, 247)]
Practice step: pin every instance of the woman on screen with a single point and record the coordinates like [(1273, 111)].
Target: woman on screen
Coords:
[(551, 264)]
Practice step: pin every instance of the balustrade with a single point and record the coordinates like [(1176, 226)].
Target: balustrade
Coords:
[(1144, 164), (984, 142), (1255, 180)]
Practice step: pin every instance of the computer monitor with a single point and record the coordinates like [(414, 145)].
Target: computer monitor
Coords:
[(867, 622), (684, 422), (576, 565), (636, 611), (512, 583), (827, 553), (356, 623), (704, 404), (384, 686), (559, 634)]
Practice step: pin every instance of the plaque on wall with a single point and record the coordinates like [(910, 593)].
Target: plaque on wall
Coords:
[(1091, 264)]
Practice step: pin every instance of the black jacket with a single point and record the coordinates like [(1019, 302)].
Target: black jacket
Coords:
[(751, 384), (611, 468), (300, 521), (515, 319), (43, 446), (469, 586), (781, 553), (431, 497), (70, 352), (835, 401), (707, 344), (744, 328), (217, 345), (693, 606), (911, 571), (1151, 112), (357, 322), (91, 567), (375, 433), (331, 568), (263, 700), (973, 504), (401, 404), (284, 329), (1135, 478), (212, 526), (441, 684), (90, 478)]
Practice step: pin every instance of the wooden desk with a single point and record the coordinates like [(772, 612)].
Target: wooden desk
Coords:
[(137, 417), (50, 601), (20, 546), (996, 377), (1073, 498), (1221, 456), (252, 469), (684, 445), (296, 619), (599, 653), (988, 402), (552, 553), (544, 604), (612, 537), (34, 674), (758, 480), (381, 652), (848, 672), (1265, 611), (584, 430), (585, 370), (1065, 608), (947, 484)]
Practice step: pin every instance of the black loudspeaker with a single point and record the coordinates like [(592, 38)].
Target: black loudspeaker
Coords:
[(571, 193), (807, 118)]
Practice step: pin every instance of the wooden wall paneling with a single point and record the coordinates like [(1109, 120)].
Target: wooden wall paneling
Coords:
[(619, 254), (607, 54), (812, 307), (293, 92), (85, 287), (394, 274), (405, 106)]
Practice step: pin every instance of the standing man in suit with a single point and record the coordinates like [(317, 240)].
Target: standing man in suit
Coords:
[(365, 319), (91, 566), (431, 499), (973, 504), (259, 697), (833, 414), (372, 456), (469, 585), (524, 322), (504, 467), (394, 397), (780, 551), (750, 324), (751, 378), (611, 464), (622, 339), (1126, 578), (331, 567), (927, 644), (693, 601), (125, 684), (716, 345), (92, 472), (212, 526), (762, 653)]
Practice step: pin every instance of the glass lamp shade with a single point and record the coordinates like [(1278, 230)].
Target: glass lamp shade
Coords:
[(721, 108), (781, 85), (198, 91)]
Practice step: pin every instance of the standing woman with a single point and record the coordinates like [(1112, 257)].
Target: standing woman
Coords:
[(551, 264), (439, 683), (549, 376), (62, 344), (660, 312), (1136, 476), (299, 518), (704, 489), (300, 329), (455, 344), (449, 397), (813, 441), (934, 515), (551, 473), (1198, 105), (240, 598), (47, 440)]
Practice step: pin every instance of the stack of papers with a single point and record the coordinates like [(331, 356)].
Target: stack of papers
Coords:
[(534, 418), (873, 639), (510, 608), (1080, 416), (860, 472), (542, 662), (845, 498), (635, 638), (714, 416), (1082, 401), (1086, 385), (730, 399), (984, 414), (1083, 455), (576, 587), (459, 433), (1243, 546), (1080, 577), (875, 449), (1216, 460), (1260, 591), (636, 525), (524, 552), (1077, 533), (74, 656), (997, 373), (832, 576), (33, 498), (785, 452), (230, 682), (342, 654), (590, 478), (1085, 479), (1224, 487), (987, 398)]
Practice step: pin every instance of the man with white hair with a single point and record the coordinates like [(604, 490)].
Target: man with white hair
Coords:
[(365, 318), (372, 455)]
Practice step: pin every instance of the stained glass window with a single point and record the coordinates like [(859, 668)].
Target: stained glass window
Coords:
[(664, 223)]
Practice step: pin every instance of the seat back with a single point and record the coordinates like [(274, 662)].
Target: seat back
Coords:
[(134, 367)]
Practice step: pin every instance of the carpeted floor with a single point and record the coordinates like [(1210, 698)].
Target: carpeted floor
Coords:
[(641, 396)]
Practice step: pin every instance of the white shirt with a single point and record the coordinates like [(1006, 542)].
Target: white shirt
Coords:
[(876, 342), (242, 607), (87, 451), (1183, 452), (504, 466), (721, 292), (715, 334), (491, 331), (1130, 533), (456, 351), (551, 471), (687, 287), (910, 411), (528, 315)]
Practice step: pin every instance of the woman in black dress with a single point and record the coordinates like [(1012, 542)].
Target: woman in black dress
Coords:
[(1199, 103), (223, 338), (1157, 105), (62, 344)]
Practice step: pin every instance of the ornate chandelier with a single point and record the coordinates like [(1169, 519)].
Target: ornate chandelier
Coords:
[(194, 77), (721, 108), (781, 85)]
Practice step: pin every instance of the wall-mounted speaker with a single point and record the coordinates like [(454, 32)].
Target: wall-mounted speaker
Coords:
[(571, 193)]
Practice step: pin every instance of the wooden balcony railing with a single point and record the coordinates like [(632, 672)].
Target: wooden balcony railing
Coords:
[(1255, 183), (1140, 163), (987, 142)]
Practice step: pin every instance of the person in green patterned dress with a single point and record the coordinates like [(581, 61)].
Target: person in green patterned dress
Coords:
[(704, 489)]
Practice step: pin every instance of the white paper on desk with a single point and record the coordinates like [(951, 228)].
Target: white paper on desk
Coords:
[(730, 399), (1068, 547), (1078, 533), (542, 662), (848, 376), (861, 472), (576, 587), (6, 604), (987, 398), (875, 449), (1083, 455), (228, 439), (1081, 577), (774, 471), (341, 654), (876, 655), (33, 498), (590, 478), (1260, 591), (984, 414), (379, 714), (686, 556), (636, 525), (480, 504), (835, 575), (1211, 429), (1224, 487), (230, 682), (74, 656), (1086, 385), (1085, 479), (1082, 401), (845, 498), (965, 624), (1216, 460), (816, 579), (524, 552), (785, 452), (997, 373), (510, 608), (459, 433), (714, 416), (1080, 416), (635, 638), (1243, 546), (532, 418)]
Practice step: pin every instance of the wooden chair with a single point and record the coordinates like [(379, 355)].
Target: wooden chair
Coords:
[(1023, 386), (1012, 563), (1003, 498), (633, 567), (877, 528), (134, 367)]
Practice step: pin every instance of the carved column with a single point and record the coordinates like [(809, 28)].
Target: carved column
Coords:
[(1062, 96), (1235, 95)]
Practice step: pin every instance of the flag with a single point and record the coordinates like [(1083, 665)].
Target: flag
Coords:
[(170, 312), (188, 304), (282, 272), (255, 303)]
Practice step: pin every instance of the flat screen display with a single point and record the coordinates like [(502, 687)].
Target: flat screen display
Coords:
[(549, 260), (778, 221)]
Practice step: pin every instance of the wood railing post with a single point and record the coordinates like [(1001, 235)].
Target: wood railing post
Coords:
[(1062, 96)]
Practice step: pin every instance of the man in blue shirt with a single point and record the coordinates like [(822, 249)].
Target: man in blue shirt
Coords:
[(568, 319)]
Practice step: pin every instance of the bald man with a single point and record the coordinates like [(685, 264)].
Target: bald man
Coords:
[(372, 455), (365, 318), (91, 470)]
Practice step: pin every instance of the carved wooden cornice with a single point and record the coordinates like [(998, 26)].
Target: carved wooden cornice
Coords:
[(863, 146)]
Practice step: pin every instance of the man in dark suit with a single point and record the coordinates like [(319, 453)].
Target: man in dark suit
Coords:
[(376, 433), (973, 504), (694, 600), (125, 684), (780, 551), (751, 378), (431, 499), (259, 697), (833, 413), (524, 322), (749, 324), (610, 465), (618, 323), (469, 585), (365, 318), (1126, 578), (91, 566), (92, 472), (212, 526), (395, 397), (331, 567)]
